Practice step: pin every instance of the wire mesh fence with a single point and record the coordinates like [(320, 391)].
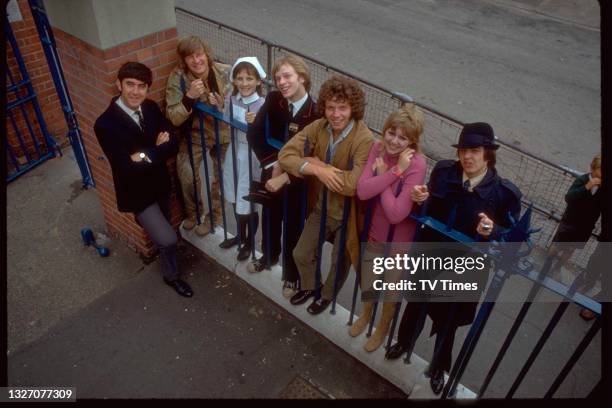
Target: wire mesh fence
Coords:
[(543, 184)]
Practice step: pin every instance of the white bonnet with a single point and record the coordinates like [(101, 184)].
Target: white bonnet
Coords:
[(254, 62)]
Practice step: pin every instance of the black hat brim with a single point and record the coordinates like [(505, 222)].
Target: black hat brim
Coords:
[(469, 146)]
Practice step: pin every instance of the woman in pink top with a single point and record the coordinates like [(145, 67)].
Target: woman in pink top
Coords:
[(394, 165)]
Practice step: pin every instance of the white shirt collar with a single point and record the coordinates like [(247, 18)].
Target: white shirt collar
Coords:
[(297, 105), (248, 99), (343, 135), (593, 189), (474, 181), (131, 112)]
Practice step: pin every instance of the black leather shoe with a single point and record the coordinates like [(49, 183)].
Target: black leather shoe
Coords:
[(301, 297), (395, 351), (318, 306), (244, 253), (437, 381), (181, 287), (228, 243)]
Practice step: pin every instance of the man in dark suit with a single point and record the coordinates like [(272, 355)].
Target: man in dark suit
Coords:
[(284, 113), (137, 141)]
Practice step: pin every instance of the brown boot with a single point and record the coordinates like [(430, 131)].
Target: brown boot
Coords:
[(189, 223), (359, 326), (382, 328), (204, 228)]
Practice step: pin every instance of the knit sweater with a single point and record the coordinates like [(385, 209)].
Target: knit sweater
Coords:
[(389, 209)]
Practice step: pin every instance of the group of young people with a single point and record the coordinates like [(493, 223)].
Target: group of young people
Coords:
[(319, 156)]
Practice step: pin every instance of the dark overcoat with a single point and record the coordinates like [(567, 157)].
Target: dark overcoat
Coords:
[(581, 214), (137, 184), (494, 196)]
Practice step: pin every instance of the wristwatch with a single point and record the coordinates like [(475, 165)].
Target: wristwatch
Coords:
[(397, 171), (144, 157)]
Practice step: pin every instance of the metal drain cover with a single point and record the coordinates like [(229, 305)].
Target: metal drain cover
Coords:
[(302, 388)]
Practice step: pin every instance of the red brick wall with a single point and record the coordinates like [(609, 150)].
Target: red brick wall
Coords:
[(91, 73), (33, 55)]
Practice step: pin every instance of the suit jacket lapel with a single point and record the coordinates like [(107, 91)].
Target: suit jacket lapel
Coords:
[(125, 118), (304, 113), (284, 108)]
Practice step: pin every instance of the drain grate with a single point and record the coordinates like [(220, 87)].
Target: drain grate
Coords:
[(302, 388)]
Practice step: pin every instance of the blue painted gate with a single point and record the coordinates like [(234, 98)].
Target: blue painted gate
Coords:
[(32, 144)]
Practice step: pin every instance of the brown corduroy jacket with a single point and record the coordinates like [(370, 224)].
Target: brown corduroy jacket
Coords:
[(356, 146)]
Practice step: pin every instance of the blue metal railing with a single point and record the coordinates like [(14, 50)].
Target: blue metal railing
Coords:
[(543, 182), (538, 277), (445, 227)]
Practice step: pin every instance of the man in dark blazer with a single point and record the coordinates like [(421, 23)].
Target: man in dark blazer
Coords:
[(284, 113), (137, 141)]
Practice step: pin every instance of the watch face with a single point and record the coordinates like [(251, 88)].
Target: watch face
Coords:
[(142, 155)]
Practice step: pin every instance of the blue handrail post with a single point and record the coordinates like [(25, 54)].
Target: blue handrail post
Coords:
[(398, 306), (251, 204), (320, 244), (341, 256), (285, 224), (235, 175), (220, 181), (364, 238), (206, 175), (74, 132), (519, 232)]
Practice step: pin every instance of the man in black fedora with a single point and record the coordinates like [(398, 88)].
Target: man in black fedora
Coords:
[(483, 202)]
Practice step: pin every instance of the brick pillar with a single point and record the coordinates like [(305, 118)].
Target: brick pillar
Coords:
[(38, 70), (90, 74)]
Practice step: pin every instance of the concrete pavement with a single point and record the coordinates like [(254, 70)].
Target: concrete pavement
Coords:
[(112, 329)]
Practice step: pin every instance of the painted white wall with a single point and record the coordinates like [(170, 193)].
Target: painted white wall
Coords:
[(108, 23)]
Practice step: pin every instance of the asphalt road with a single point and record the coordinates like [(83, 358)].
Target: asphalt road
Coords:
[(536, 79)]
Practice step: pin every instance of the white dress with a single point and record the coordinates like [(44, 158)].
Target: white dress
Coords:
[(239, 107)]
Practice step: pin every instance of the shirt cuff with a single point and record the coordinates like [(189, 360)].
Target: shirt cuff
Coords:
[(301, 169), (267, 166)]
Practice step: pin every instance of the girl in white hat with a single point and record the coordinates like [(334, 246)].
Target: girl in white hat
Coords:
[(242, 105)]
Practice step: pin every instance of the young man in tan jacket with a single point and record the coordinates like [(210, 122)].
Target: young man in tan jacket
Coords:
[(339, 144), (196, 78)]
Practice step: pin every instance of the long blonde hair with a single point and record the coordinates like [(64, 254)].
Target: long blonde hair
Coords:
[(596, 163)]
